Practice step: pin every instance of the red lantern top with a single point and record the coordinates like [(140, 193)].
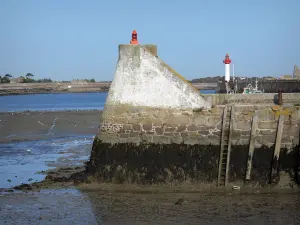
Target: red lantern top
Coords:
[(227, 60), (134, 40)]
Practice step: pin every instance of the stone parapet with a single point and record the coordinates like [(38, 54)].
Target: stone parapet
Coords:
[(145, 124), (264, 98), (161, 125)]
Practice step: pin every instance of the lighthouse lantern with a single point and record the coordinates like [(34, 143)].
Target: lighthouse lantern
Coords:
[(227, 62)]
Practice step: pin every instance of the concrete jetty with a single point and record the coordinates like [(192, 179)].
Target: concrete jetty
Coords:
[(155, 128)]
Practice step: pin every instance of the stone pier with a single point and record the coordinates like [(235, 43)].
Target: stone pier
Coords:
[(156, 128)]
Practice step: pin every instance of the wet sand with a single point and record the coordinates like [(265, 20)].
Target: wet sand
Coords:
[(87, 206), (57, 206), (197, 208), (24, 126)]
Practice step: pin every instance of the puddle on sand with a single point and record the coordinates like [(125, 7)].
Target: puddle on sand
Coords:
[(22, 162)]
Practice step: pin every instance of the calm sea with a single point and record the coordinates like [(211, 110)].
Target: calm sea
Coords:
[(57, 102)]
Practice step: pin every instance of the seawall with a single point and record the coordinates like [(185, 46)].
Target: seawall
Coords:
[(248, 99), (268, 86), (154, 145), (55, 87), (175, 135)]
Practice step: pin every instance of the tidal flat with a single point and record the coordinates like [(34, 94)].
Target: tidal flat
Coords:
[(38, 144)]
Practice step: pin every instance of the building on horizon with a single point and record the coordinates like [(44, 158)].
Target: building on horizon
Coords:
[(77, 81), (17, 80), (296, 73)]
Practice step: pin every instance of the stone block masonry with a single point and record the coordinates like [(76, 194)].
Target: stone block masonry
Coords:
[(154, 137), (155, 125)]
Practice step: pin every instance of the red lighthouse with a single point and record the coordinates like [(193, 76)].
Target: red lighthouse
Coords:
[(227, 62)]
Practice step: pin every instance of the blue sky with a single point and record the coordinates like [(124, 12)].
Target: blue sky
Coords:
[(68, 39)]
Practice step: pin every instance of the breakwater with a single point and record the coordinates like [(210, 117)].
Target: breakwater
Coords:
[(237, 142), (56, 87), (172, 134), (267, 86), (246, 99)]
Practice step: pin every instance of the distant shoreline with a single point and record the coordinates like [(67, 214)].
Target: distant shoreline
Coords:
[(55, 87), (47, 92)]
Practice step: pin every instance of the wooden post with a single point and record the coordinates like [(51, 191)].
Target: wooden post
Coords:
[(229, 144), (222, 144), (251, 146), (275, 162), (298, 170), (279, 97)]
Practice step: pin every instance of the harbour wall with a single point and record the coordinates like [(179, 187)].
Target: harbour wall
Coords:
[(268, 86), (203, 127), (245, 99), (154, 145), (156, 128)]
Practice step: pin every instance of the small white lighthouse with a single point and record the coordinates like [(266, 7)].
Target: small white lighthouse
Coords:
[(227, 62)]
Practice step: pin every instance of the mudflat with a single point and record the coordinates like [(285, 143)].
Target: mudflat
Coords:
[(81, 206), (30, 125)]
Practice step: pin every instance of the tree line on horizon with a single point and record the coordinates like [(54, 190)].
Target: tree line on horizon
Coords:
[(29, 78)]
